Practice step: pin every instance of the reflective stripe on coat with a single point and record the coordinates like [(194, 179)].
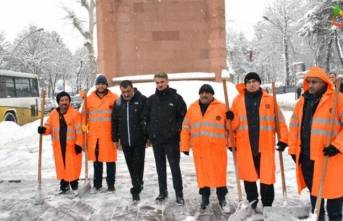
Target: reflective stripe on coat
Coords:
[(333, 185), (266, 145), (207, 137), (99, 112), (72, 168)]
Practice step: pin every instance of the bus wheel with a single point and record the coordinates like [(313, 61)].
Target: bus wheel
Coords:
[(9, 116)]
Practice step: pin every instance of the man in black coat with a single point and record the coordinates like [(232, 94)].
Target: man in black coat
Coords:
[(128, 127), (333, 76), (163, 114)]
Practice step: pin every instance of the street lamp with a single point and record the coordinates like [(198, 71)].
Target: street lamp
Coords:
[(22, 40), (283, 30)]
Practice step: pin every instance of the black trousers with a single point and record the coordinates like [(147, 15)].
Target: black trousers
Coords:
[(172, 152), (266, 190), (221, 192), (134, 157), (64, 185), (98, 170), (333, 206)]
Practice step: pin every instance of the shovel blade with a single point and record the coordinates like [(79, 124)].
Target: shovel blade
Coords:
[(243, 211), (84, 189)]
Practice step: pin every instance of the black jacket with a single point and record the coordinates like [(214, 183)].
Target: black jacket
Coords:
[(310, 105), (163, 114), (252, 105), (127, 120)]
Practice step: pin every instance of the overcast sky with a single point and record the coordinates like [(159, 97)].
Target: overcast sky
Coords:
[(15, 15)]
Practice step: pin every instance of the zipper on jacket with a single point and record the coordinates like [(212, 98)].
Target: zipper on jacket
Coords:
[(128, 122)]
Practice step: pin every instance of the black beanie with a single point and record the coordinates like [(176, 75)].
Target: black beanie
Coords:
[(62, 94), (101, 79), (252, 75), (206, 88)]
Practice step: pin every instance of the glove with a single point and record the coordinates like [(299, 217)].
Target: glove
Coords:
[(229, 115), (78, 149), (294, 158), (84, 128), (185, 153), (281, 146), (330, 151), (231, 148), (41, 129)]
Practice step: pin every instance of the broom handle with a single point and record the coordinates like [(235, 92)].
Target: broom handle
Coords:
[(327, 143), (277, 127), (86, 134), (232, 141), (40, 147)]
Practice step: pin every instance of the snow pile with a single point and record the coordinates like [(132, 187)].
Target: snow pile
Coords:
[(11, 131)]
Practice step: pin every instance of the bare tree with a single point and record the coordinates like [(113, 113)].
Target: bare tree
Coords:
[(42, 53), (318, 31), (83, 78), (4, 49), (87, 33), (240, 54)]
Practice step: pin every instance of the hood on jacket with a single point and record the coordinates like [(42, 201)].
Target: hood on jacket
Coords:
[(317, 72)]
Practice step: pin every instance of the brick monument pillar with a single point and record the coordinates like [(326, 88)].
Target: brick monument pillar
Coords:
[(144, 37)]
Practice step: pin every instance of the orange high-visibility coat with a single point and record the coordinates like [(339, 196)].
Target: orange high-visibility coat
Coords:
[(72, 168), (207, 137), (333, 186), (267, 132), (99, 112)]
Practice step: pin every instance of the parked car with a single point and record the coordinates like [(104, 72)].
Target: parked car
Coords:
[(50, 104), (76, 101)]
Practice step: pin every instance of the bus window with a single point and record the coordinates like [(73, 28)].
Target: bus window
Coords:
[(9, 87), (22, 87), (2, 87), (34, 87)]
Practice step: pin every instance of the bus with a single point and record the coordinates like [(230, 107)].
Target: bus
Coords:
[(19, 97)]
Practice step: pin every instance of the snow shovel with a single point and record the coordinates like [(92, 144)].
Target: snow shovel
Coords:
[(241, 209), (327, 143), (39, 197), (288, 209), (85, 188)]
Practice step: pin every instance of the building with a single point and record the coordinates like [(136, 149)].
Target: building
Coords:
[(148, 36)]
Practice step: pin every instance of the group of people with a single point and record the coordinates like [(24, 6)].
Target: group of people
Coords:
[(163, 119)]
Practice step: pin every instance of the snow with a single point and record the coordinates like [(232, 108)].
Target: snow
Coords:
[(19, 154)]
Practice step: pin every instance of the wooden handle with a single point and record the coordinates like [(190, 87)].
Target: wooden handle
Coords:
[(85, 134), (277, 128), (40, 147), (327, 143), (232, 141)]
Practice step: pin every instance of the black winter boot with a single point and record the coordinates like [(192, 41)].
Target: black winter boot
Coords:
[(205, 201), (162, 196)]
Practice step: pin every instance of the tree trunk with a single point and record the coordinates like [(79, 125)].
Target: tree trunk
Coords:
[(285, 45), (328, 54), (339, 48), (90, 47)]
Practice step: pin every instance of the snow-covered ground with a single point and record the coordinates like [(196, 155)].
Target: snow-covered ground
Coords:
[(19, 189)]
